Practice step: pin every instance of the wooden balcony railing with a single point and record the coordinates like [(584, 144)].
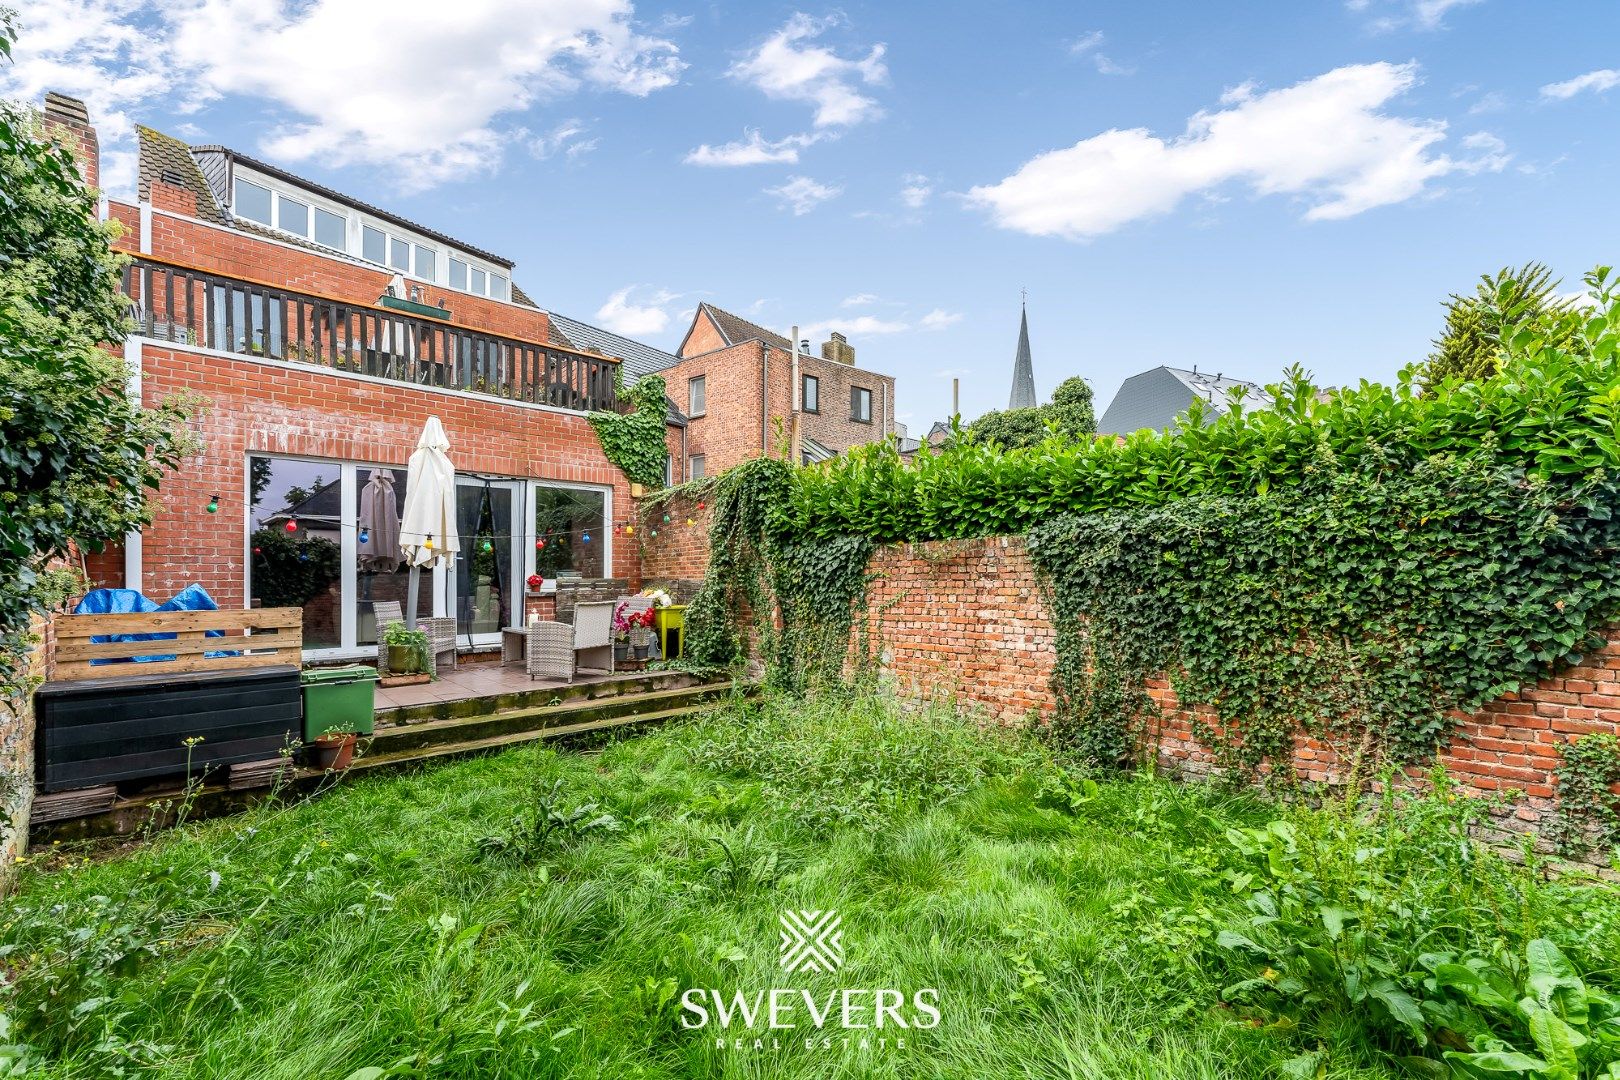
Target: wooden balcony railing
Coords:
[(193, 307)]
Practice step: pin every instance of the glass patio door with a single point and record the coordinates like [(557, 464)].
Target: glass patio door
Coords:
[(485, 590)]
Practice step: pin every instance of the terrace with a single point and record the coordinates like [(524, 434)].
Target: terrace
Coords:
[(395, 339)]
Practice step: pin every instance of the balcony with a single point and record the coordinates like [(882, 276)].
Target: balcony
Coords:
[(193, 307)]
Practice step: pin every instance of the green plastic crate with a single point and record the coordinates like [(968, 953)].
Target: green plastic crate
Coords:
[(339, 699)]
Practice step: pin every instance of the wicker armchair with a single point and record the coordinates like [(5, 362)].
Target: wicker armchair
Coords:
[(441, 633), (559, 651)]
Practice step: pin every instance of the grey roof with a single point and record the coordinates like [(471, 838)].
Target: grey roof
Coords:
[(736, 329), (1023, 384), (639, 358), (163, 157), (1154, 398), (910, 446), (814, 452), (217, 177)]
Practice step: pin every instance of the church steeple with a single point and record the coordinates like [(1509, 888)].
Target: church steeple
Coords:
[(1023, 383)]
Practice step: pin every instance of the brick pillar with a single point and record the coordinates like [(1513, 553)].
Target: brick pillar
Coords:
[(69, 121)]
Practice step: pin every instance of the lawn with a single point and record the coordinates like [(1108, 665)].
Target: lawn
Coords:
[(421, 925)]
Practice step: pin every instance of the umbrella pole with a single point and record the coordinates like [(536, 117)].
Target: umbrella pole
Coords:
[(410, 594)]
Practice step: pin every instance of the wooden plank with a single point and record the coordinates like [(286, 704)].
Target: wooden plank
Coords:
[(189, 643), (83, 669), (158, 622)]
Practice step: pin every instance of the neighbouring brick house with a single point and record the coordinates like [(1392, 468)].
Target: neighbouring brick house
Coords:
[(319, 333), (738, 383)]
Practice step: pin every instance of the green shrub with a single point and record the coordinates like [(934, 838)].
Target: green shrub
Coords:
[(1392, 923)]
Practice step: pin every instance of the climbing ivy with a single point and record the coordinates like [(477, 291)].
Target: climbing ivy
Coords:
[(634, 441), (797, 598), (1588, 805), (1361, 607)]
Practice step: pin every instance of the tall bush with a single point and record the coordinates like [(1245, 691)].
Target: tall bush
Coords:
[(77, 455)]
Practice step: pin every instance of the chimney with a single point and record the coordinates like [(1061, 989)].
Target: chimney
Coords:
[(69, 122), (838, 349)]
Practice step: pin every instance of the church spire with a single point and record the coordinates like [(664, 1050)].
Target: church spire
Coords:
[(1023, 384)]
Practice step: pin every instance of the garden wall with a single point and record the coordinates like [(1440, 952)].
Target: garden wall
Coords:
[(679, 555), (966, 618), (17, 764)]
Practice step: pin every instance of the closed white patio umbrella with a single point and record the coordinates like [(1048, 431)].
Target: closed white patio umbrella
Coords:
[(427, 529)]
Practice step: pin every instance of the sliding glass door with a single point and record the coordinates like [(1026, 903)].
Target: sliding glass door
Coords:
[(487, 590)]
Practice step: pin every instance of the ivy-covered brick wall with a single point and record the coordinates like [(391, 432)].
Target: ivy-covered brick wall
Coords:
[(678, 553), (967, 618)]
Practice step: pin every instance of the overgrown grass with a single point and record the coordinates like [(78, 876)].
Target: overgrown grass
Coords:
[(477, 920)]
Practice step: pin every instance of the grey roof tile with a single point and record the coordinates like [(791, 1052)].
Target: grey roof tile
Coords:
[(639, 358)]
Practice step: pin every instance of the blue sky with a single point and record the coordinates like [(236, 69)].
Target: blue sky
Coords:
[(1240, 186)]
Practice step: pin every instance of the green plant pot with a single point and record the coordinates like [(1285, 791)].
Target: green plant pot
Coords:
[(401, 660)]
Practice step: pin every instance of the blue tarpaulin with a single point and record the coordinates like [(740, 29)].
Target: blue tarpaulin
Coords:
[(128, 601)]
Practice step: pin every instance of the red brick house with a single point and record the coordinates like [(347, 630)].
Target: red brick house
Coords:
[(319, 332), (747, 391)]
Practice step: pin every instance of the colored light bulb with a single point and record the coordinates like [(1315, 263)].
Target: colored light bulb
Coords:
[(292, 525), (213, 505), (655, 532), (666, 519), (365, 536), (629, 530), (538, 544), (257, 551), (586, 538), (689, 521), (488, 546), (700, 504), (428, 543)]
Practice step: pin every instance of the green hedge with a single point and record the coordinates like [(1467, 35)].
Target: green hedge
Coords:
[(1554, 413)]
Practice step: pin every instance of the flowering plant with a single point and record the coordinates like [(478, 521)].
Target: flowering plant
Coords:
[(535, 581), (625, 620), (659, 597)]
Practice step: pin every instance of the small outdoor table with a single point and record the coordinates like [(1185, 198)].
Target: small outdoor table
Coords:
[(514, 645)]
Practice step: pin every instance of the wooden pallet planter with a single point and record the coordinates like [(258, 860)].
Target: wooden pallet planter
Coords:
[(258, 638), (103, 718)]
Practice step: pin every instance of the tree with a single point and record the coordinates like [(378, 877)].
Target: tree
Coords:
[(77, 456), (1069, 412), (1470, 349)]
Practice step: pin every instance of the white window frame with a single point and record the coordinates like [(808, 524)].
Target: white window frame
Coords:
[(531, 498), (696, 380)]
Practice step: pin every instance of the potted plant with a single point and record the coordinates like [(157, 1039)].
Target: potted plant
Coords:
[(640, 632), (333, 751), (534, 582), (623, 620), (407, 649)]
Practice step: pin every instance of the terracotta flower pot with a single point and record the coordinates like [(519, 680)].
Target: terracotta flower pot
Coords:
[(333, 751)]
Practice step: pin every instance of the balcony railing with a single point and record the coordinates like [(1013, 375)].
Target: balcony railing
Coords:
[(193, 307)]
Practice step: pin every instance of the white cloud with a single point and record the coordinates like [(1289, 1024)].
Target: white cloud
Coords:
[(622, 315), (803, 194), (418, 91), (1595, 81), (1399, 14), (1089, 45), (864, 299), (860, 326), (753, 149), (1325, 140), (564, 139), (789, 67), (915, 190), (939, 319)]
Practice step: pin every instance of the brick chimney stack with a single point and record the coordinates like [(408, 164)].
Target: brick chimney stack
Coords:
[(838, 350), (68, 121)]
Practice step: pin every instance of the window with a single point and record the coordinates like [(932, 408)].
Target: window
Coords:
[(427, 263), (399, 254), (694, 467), (669, 470), (695, 403), (458, 275), (497, 286), (373, 244), (301, 567), (253, 202), (480, 282), (331, 229), (292, 216), (860, 404), (573, 524), (810, 394)]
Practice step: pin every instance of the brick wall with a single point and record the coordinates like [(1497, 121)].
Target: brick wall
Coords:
[(276, 408), (17, 764), (679, 555), (731, 430), (967, 618)]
